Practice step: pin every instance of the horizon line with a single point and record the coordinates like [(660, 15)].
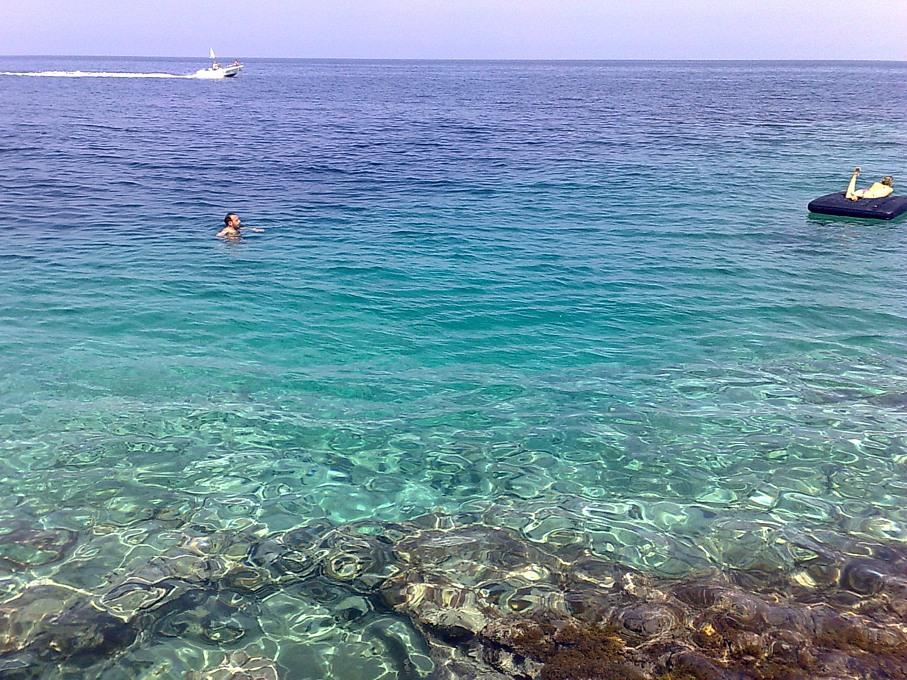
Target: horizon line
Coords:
[(526, 59)]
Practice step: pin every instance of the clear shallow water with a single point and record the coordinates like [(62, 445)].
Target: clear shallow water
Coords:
[(589, 288)]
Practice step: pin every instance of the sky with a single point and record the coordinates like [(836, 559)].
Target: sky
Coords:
[(460, 29)]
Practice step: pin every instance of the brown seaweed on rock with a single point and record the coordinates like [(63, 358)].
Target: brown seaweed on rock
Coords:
[(565, 649), (529, 614)]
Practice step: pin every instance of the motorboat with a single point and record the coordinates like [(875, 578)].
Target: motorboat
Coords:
[(217, 70)]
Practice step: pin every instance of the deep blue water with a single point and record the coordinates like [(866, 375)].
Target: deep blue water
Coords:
[(587, 286)]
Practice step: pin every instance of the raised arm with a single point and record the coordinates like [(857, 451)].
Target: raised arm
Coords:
[(851, 188)]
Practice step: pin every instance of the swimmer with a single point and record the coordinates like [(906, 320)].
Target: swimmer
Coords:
[(233, 227), (880, 189)]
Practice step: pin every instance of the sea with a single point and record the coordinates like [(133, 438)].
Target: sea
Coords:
[(565, 296)]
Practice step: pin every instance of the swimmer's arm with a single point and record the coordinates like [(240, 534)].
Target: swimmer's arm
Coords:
[(257, 230), (222, 233)]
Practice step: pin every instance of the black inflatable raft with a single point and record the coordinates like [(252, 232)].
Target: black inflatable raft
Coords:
[(876, 208)]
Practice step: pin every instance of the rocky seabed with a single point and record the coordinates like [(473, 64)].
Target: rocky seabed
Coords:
[(484, 602)]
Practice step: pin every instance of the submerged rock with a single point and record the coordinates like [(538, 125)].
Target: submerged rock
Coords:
[(24, 547), (239, 666), (491, 604), (52, 622), (527, 613)]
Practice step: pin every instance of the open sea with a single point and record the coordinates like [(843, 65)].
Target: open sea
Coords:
[(577, 299)]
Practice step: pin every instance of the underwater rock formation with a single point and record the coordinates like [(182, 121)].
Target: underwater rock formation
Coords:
[(493, 605), (23, 546), (530, 615), (239, 666), (50, 622)]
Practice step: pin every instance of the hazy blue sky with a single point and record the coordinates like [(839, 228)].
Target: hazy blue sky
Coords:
[(510, 29)]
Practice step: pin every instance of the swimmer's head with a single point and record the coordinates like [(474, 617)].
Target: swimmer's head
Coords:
[(888, 181), (231, 220)]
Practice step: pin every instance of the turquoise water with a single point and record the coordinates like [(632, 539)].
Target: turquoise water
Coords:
[(587, 294)]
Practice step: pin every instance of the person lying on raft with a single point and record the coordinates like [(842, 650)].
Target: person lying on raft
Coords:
[(880, 189)]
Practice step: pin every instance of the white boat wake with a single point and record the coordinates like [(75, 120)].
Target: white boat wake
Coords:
[(202, 74)]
